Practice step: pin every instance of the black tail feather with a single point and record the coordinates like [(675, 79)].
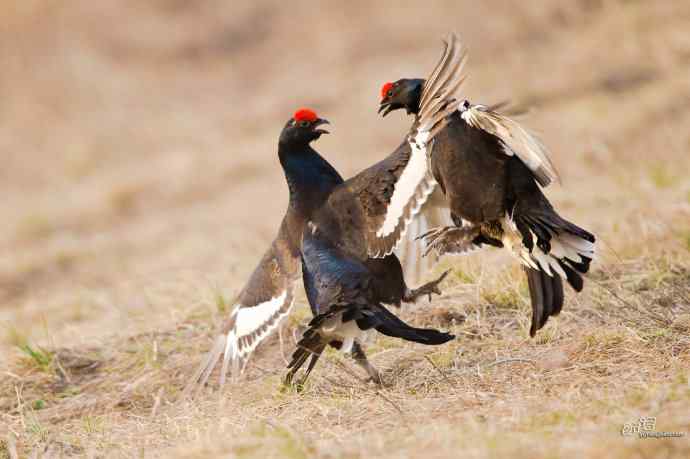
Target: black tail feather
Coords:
[(312, 345), (583, 266), (540, 225), (574, 278), (546, 294), (391, 325), (558, 297), (544, 223)]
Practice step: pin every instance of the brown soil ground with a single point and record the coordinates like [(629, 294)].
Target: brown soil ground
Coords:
[(140, 185)]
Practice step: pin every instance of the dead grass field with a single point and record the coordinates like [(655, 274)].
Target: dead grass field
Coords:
[(140, 185)]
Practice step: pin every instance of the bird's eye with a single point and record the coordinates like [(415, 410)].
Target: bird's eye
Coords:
[(304, 123), (389, 93)]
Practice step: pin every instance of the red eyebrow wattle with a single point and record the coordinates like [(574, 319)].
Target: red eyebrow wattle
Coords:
[(305, 114), (385, 88)]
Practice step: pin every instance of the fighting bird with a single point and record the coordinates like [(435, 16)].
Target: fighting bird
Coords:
[(268, 296), (349, 213), (491, 170), (346, 300)]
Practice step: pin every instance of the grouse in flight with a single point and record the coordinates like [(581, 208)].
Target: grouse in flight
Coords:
[(491, 170)]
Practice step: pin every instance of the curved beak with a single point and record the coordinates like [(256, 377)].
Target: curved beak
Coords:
[(385, 107), (320, 122)]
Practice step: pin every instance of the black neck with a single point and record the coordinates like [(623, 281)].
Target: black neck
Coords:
[(415, 97), (309, 176)]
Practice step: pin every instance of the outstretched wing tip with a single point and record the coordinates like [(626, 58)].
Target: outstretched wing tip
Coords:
[(416, 182)]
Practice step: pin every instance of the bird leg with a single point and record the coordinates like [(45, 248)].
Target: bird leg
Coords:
[(361, 359), (429, 288), (450, 239)]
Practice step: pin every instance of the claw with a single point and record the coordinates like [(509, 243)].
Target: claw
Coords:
[(449, 239), (434, 232), (429, 289)]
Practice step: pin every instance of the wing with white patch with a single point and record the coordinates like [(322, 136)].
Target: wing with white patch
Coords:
[(257, 311), (393, 191), (435, 213), (410, 191), (516, 140)]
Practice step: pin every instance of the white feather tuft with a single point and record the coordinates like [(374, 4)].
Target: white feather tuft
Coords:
[(515, 140)]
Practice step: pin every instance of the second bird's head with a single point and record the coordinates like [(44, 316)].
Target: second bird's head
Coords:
[(303, 128), (404, 93)]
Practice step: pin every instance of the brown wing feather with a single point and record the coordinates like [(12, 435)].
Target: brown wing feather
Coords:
[(416, 182), (264, 301), (367, 203)]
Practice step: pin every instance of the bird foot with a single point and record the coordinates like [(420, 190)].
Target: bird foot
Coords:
[(378, 381), (289, 383), (376, 378), (427, 289), (449, 239)]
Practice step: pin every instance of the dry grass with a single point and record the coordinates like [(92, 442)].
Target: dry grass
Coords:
[(139, 187)]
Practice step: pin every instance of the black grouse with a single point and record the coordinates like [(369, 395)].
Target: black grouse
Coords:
[(490, 170), (348, 213), (346, 300)]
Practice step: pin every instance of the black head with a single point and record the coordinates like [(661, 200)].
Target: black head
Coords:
[(302, 128), (404, 93)]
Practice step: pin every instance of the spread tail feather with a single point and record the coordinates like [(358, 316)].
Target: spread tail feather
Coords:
[(552, 250), (562, 247), (312, 344)]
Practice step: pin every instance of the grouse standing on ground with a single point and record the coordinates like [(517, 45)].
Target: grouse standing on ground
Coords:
[(348, 213), (490, 169), (268, 295), (346, 298)]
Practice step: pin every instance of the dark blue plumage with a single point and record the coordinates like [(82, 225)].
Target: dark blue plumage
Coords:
[(342, 294), (309, 176)]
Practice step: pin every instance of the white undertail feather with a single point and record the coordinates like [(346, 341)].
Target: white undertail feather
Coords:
[(516, 140), (347, 332), (347, 345), (564, 245)]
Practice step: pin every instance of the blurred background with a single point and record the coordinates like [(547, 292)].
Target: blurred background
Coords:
[(139, 174)]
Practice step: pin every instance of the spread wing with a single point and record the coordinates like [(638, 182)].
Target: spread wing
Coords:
[(435, 213), (516, 140), (257, 311), (393, 191), (418, 260)]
